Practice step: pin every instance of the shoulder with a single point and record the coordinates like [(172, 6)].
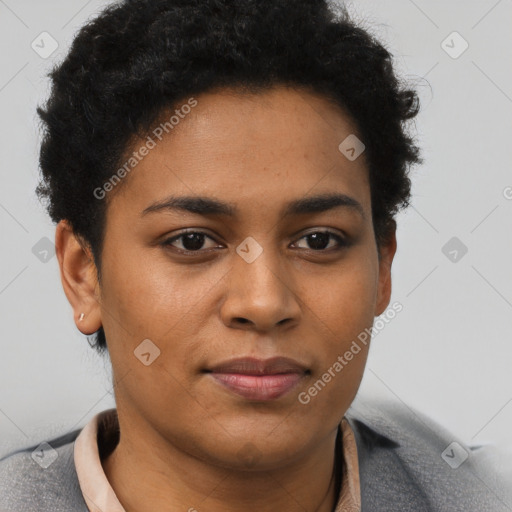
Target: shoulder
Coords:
[(41, 478), (409, 462)]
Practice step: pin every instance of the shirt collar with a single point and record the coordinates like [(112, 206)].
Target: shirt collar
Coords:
[(99, 495)]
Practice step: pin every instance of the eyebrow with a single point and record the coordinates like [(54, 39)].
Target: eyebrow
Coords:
[(208, 206)]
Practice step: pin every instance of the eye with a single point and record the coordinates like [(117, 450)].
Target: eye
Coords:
[(194, 241), (319, 240), (190, 241)]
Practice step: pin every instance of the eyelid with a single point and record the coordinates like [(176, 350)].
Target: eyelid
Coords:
[(323, 229)]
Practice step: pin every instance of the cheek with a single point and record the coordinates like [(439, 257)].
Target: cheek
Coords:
[(343, 311), (146, 302), (343, 314), (163, 304), (343, 301), (146, 295)]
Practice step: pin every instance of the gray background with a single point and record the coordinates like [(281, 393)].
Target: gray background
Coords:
[(448, 353)]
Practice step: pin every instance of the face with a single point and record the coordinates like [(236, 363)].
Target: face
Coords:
[(277, 261)]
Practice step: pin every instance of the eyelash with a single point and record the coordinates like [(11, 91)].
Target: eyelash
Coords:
[(342, 242)]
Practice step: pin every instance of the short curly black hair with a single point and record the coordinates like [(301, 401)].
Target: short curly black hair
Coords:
[(139, 58)]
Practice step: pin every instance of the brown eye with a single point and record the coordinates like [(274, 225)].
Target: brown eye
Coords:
[(191, 241), (320, 240)]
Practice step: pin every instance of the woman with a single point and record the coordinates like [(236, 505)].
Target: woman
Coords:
[(224, 176)]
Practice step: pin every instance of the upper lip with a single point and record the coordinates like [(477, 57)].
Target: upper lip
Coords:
[(255, 366)]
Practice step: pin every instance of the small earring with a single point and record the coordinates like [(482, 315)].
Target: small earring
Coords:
[(82, 316)]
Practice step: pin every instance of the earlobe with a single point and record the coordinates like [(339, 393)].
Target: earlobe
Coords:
[(388, 250), (79, 278)]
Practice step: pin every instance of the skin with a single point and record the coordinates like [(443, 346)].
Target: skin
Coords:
[(182, 434)]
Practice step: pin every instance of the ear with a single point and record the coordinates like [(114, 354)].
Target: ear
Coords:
[(79, 278), (387, 253)]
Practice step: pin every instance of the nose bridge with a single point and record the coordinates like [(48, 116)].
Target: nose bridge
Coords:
[(259, 277), (259, 292), (257, 270)]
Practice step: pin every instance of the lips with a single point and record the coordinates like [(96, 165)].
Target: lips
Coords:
[(259, 379)]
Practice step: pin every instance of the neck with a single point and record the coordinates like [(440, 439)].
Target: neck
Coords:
[(147, 472)]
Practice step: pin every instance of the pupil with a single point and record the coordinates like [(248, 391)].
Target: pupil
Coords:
[(319, 240), (193, 241)]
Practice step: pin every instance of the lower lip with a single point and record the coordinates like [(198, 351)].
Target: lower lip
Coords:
[(258, 387)]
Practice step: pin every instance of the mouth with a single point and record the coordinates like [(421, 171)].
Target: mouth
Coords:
[(259, 379)]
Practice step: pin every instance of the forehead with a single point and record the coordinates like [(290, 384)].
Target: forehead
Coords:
[(272, 146)]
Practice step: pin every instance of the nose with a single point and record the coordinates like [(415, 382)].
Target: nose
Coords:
[(260, 296)]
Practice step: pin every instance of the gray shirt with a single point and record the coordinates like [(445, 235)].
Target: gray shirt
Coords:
[(406, 463)]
